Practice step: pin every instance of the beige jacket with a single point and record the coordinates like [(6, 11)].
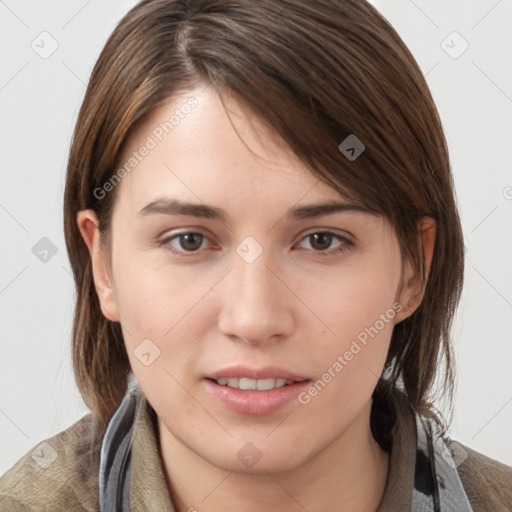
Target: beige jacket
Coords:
[(52, 478)]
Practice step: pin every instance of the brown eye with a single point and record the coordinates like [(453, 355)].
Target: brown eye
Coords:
[(186, 242), (325, 243), (191, 241), (320, 241)]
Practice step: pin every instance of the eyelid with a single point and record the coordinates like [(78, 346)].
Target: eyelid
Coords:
[(171, 233), (346, 243), (165, 240), (332, 231), (346, 239)]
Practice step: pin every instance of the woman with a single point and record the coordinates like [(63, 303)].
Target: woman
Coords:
[(261, 223)]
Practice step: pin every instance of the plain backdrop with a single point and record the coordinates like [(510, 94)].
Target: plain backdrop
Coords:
[(49, 49)]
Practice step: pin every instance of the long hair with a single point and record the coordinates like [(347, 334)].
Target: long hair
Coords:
[(317, 71)]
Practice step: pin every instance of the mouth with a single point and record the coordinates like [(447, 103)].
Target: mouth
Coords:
[(255, 392), (248, 384)]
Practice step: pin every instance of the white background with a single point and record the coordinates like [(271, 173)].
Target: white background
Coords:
[(39, 104)]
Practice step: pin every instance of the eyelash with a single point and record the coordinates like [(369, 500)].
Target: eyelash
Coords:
[(345, 245)]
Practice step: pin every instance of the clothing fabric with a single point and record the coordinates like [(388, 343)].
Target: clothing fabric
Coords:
[(125, 472), (116, 453), (435, 462)]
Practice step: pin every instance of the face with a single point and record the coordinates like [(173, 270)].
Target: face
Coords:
[(232, 266)]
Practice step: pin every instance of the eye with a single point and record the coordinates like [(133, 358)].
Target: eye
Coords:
[(186, 242), (321, 242), (325, 242)]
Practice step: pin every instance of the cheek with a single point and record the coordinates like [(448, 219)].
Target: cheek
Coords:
[(143, 300), (354, 349), (151, 298), (358, 309), (155, 310), (352, 297), (169, 305)]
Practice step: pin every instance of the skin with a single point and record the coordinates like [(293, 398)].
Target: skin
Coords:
[(298, 306)]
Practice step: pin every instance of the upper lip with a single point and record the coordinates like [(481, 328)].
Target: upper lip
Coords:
[(267, 372)]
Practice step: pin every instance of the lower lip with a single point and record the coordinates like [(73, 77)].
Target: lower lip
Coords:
[(255, 402)]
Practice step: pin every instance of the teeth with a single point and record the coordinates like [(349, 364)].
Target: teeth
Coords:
[(245, 383), (266, 384), (281, 382)]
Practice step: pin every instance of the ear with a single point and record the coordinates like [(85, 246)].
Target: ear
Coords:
[(412, 289), (89, 228)]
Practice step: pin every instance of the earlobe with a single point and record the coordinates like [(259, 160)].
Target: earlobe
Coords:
[(412, 288), (88, 225)]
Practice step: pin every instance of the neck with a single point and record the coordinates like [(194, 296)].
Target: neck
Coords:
[(348, 475)]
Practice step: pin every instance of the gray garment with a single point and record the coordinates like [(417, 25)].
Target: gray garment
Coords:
[(446, 493), (115, 461)]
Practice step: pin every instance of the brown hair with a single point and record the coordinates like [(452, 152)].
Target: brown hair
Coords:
[(316, 71)]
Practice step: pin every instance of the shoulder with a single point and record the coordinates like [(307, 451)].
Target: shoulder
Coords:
[(487, 482), (61, 471)]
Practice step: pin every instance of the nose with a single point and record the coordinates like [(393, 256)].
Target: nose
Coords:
[(256, 306)]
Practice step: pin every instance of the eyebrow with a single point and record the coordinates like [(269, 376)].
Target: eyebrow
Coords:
[(177, 207)]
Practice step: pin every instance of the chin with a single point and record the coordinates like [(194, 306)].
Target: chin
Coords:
[(259, 456), (278, 463)]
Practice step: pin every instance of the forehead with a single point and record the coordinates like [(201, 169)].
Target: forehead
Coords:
[(199, 144)]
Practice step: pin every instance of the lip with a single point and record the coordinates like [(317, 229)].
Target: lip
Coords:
[(255, 402), (267, 372)]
